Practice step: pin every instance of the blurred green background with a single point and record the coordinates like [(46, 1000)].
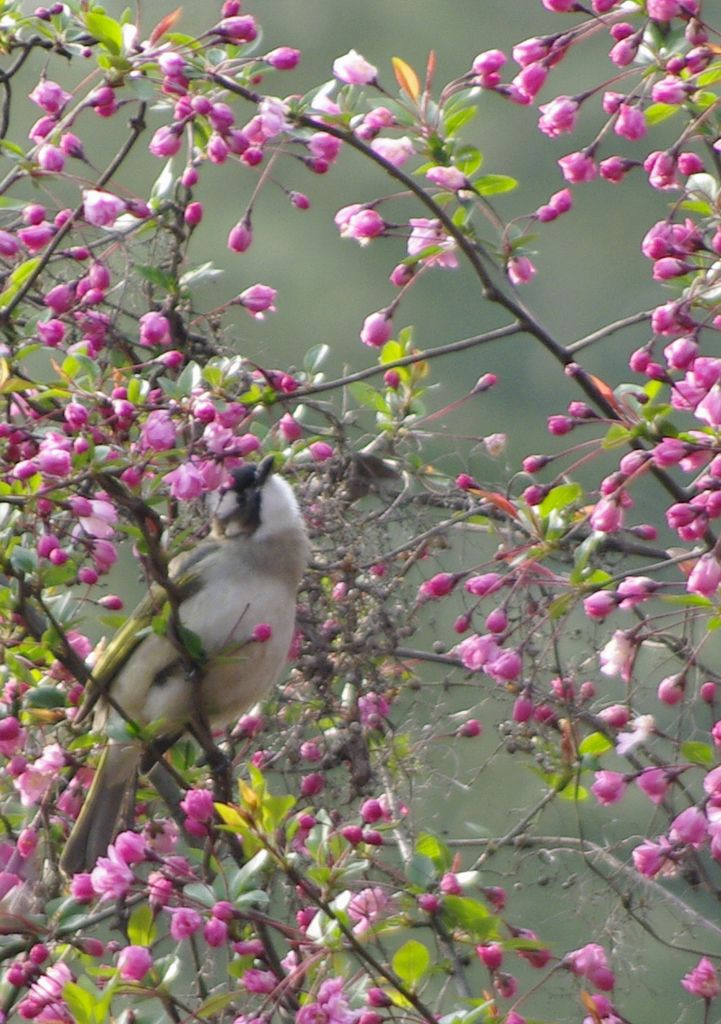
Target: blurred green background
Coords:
[(590, 271)]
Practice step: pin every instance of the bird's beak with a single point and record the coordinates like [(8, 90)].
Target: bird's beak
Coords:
[(265, 468)]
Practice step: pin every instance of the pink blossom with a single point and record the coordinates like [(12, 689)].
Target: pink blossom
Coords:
[(427, 233), (353, 69), (486, 583), (185, 482), (321, 451), (703, 980), (289, 428), (36, 236), (184, 922), (377, 329), (437, 586), (241, 28), (134, 962), (475, 651), (558, 116), (258, 299), (154, 330), (642, 728), (448, 177), (240, 236), (487, 65), (366, 907), (705, 577), (54, 461), (520, 270), (608, 787), (111, 877), (671, 689), (709, 408), (363, 225), (504, 667), (531, 79), (198, 803), (616, 715), (600, 604), (101, 209), (166, 141), (577, 167), (689, 827), (616, 657), (661, 169), (654, 783), (283, 58), (613, 168), (158, 431), (50, 96), (12, 736), (630, 122), (590, 962), (395, 151), (50, 158), (258, 982), (490, 954), (9, 245)]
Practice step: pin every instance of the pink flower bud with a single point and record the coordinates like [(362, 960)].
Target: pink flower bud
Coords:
[(312, 784), (193, 214), (240, 236), (491, 955), (377, 329), (321, 451), (283, 58), (353, 69)]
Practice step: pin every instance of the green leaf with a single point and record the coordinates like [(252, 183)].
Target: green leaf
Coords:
[(595, 744), (494, 184), (573, 791), (659, 112), (710, 76), (468, 159), (198, 275), (421, 872), (46, 697), (106, 30), (560, 605), (431, 846), (23, 560), (411, 962), (560, 497), (213, 1006), (80, 1003), (470, 916), (276, 809), (159, 277), (315, 357), (367, 395), (18, 278), (454, 122), (697, 753), (191, 642), (142, 930), (616, 435), (163, 185)]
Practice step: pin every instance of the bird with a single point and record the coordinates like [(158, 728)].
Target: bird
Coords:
[(235, 596)]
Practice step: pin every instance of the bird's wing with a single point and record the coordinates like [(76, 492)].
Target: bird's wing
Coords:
[(185, 575)]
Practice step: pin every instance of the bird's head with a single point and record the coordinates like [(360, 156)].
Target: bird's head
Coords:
[(257, 503)]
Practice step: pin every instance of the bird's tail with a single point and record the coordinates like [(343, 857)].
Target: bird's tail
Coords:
[(109, 796)]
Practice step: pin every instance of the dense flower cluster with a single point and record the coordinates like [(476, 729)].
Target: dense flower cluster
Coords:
[(306, 887)]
